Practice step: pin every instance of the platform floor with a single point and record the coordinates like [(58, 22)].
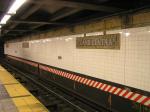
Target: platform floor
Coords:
[(14, 97)]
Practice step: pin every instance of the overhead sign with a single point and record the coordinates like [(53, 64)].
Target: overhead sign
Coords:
[(109, 41)]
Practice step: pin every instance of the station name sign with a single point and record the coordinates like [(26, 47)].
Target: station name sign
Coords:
[(109, 41)]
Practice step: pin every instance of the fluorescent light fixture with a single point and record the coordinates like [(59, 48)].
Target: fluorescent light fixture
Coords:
[(5, 19), (15, 6)]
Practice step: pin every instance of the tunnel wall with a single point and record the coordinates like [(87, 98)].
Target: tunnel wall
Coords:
[(98, 92), (128, 66)]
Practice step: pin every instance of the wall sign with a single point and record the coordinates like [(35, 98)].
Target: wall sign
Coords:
[(7, 45), (25, 45), (109, 41)]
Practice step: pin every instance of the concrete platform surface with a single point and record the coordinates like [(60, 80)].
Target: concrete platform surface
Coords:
[(14, 97)]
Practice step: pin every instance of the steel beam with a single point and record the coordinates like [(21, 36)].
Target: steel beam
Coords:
[(35, 22), (30, 12), (12, 35), (63, 13), (59, 15), (18, 30), (74, 4)]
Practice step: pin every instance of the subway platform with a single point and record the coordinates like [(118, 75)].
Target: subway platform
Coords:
[(14, 97)]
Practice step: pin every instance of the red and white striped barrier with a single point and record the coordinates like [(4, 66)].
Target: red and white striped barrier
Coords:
[(24, 61), (133, 96), (144, 100)]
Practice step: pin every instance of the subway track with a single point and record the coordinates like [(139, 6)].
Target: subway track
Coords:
[(56, 99)]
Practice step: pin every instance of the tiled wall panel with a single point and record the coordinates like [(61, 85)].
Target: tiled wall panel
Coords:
[(129, 66)]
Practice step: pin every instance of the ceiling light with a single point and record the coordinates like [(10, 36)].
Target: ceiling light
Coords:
[(69, 38), (127, 34), (15, 6), (66, 40), (5, 19)]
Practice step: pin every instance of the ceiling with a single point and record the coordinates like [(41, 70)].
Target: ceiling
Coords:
[(40, 15)]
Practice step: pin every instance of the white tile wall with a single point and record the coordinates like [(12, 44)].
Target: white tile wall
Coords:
[(129, 66)]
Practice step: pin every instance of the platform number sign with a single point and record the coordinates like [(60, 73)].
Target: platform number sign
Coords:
[(109, 41)]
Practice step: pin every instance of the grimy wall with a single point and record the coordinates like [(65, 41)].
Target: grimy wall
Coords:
[(128, 66)]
